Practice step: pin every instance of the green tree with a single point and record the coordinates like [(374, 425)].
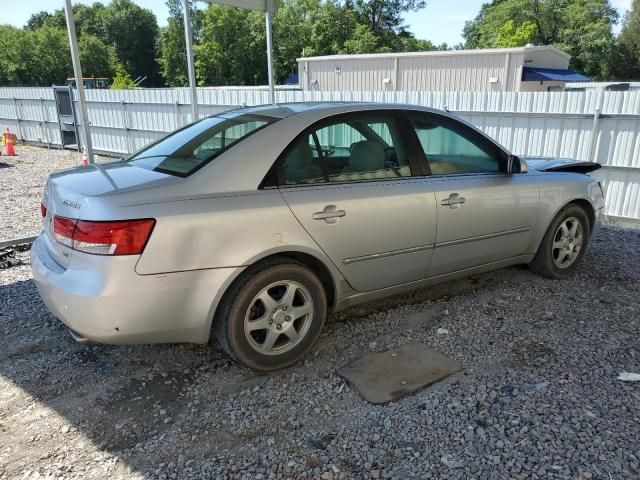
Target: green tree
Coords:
[(171, 54), (133, 32), (88, 19), (624, 63), (406, 42), (292, 33), (97, 58), (39, 57), (122, 79), (171, 44), (232, 47), (39, 19), (363, 40), (42, 57), (511, 36), (385, 16), (580, 27)]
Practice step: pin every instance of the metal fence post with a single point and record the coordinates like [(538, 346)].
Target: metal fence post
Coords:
[(125, 125), (177, 105), (77, 73), (595, 128), (188, 37), (19, 128), (269, 35), (45, 120)]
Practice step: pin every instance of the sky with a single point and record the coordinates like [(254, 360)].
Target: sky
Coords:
[(440, 21)]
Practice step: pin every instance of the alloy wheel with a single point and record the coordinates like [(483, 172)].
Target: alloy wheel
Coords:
[(567, 242), (278, 317)]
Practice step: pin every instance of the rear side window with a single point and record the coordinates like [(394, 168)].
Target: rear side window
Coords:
[(348, 150), (454, 148), (189, 149)]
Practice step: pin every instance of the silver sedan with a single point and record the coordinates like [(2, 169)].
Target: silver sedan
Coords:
[(252, 225)]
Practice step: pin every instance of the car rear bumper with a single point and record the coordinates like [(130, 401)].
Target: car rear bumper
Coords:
[(102, 299)]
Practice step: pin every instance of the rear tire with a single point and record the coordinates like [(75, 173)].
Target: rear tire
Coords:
[(563, 245), (272, 315)]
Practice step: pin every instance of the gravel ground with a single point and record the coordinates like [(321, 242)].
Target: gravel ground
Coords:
[(21, 180), (538, 397)]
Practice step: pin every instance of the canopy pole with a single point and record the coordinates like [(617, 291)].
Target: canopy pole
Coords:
[(77, 72), (190, 70), (268, 19)]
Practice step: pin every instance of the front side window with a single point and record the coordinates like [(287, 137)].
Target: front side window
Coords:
[(357, 149), (189, 149), (453, 148)]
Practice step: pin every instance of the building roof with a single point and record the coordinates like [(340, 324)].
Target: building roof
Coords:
[(437, 53), (534, 74)]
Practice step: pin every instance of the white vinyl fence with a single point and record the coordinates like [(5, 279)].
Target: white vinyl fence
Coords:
[(594, 125)]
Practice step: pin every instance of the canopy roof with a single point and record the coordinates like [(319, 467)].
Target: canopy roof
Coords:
[(535, 74)]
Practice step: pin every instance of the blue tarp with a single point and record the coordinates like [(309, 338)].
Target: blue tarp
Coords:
[(533, 74), (292, 79)]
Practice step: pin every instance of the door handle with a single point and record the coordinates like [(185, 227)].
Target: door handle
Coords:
[(329, 214), (453, 201)]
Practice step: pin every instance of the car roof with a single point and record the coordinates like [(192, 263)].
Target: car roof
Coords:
[(284, 110)]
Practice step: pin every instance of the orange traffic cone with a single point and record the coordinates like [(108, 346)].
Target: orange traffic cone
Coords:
[(84, 161), (9, 151)]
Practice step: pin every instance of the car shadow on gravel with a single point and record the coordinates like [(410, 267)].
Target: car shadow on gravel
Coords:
[(125, 398), (118, 397)]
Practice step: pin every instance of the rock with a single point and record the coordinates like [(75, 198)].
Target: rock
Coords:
[(314, 461), (321, 441), (452, 463)]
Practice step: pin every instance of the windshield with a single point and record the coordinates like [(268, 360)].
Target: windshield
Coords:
[(189, 149)]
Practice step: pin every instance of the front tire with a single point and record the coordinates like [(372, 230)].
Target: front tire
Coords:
[(272, 315), (563, 245)]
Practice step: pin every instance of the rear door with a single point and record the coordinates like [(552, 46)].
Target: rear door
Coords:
[(353, 185), (484, 215)]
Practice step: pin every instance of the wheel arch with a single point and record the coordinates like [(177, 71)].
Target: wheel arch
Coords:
[(583, 203), (587, 207), (332, 281)]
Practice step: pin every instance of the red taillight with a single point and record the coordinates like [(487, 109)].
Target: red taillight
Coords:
[(125, 237), (43, 209), (63, 230)]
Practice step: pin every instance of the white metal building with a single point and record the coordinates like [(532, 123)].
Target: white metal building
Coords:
[(531, 68)]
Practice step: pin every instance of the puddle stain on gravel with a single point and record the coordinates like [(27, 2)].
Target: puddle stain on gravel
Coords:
[(526, 353)]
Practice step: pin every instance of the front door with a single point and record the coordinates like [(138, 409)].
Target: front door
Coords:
[(349, 183), (484, 215)]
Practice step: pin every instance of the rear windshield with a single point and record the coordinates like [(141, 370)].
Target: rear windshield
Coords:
[(192, 147)]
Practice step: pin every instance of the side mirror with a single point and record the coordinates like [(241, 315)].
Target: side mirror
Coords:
[(513, 164)]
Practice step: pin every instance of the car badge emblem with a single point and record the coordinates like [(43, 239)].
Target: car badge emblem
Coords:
[(71, 204)]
